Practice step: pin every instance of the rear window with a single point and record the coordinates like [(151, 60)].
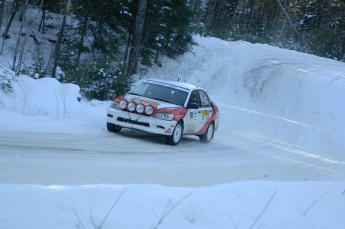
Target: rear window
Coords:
[(205, 101)]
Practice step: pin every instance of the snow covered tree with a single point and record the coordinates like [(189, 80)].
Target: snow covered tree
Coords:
[(218, 16), (314, 26), (96, 51), (323, 25), (167, 30)]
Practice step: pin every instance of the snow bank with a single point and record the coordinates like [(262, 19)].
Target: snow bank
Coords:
[(48, 98), (273, 205), (284, 98), (41, 97)]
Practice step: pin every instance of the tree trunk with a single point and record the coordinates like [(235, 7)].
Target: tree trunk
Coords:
[(16, 50), (196, 11), (251, 6), (208, 8), (59, 41), (82, 39), (136, 45), (2, 12), (43, 18), (27, 35), (5, 35)]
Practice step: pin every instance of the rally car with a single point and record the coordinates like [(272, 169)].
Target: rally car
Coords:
[(169, 108)]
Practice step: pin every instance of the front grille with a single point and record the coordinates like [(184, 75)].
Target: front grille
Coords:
[(133, 122)]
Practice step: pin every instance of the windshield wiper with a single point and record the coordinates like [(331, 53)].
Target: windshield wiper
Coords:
[(132, 93)]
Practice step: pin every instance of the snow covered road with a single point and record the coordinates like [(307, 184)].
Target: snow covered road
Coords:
[(44, 157)]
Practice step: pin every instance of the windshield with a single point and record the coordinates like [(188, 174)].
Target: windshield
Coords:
[(161, 93)]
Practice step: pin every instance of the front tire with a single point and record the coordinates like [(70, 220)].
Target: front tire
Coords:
[(176, 136), (208, 136), (113, 128)]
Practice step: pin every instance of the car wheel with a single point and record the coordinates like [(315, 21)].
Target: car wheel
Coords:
[(176, 136), (208, 136), (113, 128)]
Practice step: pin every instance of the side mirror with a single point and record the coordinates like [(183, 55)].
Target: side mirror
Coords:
[(193, 106)]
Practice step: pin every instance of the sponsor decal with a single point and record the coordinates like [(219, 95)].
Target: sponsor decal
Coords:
[(204, 99), (205, 114), (139, 100)]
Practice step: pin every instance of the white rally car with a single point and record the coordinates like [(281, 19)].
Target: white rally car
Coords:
[(165, 107)]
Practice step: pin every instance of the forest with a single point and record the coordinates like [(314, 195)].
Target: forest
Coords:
[(101, 44)]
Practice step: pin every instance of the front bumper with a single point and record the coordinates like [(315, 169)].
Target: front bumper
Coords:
[(140, 122)]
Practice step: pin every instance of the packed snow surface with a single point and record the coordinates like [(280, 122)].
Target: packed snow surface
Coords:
[(277, 160)]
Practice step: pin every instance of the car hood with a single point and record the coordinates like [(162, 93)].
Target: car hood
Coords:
[(147, 101)]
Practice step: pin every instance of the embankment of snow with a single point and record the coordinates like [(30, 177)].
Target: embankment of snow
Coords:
[(272, 205), (47, 98), (41, 97), (284, 98)]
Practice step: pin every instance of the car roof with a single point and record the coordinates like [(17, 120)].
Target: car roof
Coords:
[(180, 84)]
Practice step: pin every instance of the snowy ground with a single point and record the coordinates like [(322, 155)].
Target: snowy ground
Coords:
[(277, 160)]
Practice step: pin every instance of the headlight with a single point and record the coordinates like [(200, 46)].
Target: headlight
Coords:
[(164, 116), (114, 105), (149, 110), (123, 104), (131, 106), (140, 108)]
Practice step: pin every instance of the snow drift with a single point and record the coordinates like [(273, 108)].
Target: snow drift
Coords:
[(291, 100)]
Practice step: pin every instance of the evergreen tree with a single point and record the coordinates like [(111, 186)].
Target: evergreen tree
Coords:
[(167, 31), (315, 26), (94, 56), (323, 25), (218, 17)]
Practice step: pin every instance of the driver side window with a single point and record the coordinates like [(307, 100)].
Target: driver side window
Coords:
[(194, 98)]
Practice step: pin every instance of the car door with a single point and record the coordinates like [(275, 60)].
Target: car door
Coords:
[(193, 116), (196, 118), (205, 109)]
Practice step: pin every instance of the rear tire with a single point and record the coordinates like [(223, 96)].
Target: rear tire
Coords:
[(113, 128), (176, 136), (208, 136)]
